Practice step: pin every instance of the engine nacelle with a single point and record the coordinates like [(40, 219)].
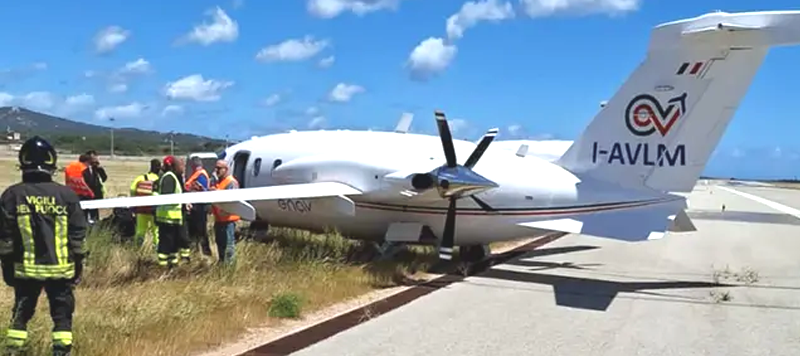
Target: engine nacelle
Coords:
[(456, 181)]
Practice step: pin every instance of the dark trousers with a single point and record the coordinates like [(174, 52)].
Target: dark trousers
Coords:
[(198, 228), (62, 305), (170, 238), (226, 241)]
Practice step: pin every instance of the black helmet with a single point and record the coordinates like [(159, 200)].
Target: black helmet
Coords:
[(36, 154)]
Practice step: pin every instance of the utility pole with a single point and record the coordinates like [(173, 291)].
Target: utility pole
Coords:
[(111, 119), (171, 143)]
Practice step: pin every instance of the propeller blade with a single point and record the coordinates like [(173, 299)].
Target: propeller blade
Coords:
[(482, 146), (446, 248), (447, 139)]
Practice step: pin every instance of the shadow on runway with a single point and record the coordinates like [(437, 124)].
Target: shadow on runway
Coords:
[(545, 265), (593, 294), (582, 293), (745, 216)]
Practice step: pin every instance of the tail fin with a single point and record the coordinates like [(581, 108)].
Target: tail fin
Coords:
[(660, 128)]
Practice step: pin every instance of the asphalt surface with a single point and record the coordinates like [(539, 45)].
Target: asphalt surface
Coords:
[(589, 296)]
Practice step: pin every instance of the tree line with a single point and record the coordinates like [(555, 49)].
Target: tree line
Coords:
[(133, 146)]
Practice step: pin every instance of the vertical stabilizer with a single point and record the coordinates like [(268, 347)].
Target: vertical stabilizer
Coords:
[(661, 127)]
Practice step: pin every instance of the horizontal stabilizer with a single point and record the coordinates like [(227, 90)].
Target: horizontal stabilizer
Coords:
[(639, 224), (289, 191), (240, 208), (719, 27)]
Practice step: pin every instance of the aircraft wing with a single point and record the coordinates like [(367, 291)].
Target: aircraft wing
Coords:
[(306, 190)]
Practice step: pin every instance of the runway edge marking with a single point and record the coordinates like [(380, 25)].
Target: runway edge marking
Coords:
[(777, 206), (312, 334)]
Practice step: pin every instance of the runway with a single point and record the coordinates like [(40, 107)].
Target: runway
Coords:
[(730, 288)]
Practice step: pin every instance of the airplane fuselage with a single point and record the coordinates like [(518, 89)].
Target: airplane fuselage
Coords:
[(530, 188)]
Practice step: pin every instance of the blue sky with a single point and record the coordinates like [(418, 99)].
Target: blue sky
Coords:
[(247, 67)]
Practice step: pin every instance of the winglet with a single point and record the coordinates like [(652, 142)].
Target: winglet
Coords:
[(522, 150), (405, 123)]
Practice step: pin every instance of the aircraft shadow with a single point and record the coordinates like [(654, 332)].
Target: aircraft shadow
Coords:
[(593, 294), (578, 292), (745, 216)]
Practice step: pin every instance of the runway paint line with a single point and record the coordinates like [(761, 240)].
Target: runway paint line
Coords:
[(321, 331), (777, 206)]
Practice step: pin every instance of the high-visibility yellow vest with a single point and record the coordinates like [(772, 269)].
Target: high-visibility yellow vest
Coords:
[(170, 213)]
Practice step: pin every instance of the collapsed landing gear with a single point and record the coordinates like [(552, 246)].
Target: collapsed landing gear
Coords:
[(389, 249), (468, 257), (473, 253)]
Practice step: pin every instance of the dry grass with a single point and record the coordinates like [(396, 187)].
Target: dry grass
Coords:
[(786, 185), (126, 305)]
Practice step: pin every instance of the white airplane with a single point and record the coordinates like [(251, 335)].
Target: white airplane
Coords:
[(652, 139)]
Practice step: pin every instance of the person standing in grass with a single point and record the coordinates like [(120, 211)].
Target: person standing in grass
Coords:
[(42, 230), (143, 185), (224, 223)]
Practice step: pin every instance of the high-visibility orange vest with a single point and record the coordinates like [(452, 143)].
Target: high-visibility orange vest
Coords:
[(144, 187), (73, 176), (190, 183), (219, 214)]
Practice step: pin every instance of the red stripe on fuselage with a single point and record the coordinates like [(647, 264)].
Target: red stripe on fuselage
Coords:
[(508, 212)]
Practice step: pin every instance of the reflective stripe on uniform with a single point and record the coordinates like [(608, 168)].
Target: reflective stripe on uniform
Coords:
[(170, 213), (16, 338), (28, 268), (62, 338), (162, 259)]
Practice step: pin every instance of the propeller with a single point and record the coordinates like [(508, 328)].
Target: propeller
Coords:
[(454, 181)]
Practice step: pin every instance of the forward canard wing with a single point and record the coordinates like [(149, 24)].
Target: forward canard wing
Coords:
[(289, 191)]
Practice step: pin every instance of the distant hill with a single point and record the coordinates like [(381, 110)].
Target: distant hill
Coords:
[(78, 136)]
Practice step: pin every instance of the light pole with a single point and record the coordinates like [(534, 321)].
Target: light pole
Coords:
[(171, 143), (111, 119)]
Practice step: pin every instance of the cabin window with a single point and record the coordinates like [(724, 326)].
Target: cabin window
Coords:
[(276, 163), (256, 166)]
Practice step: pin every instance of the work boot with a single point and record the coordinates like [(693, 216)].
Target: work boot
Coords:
[(62, 350)]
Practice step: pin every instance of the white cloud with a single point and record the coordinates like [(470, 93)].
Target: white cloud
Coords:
[(317, 122), (48, 102), (221, 29), (138, 66), (540, 8), (118, 88), (109, 38), (170, 110), (457, 125), (515, 130), (430, 57), (473, 12), (326, 62), (272, 100), (40, 65), (79, 100), (331, 8), (130, 111), (292, 50), (344, 92), (38, 100), (776, 153), (311, 111), (194, 87), (6, 99), (89, 74)]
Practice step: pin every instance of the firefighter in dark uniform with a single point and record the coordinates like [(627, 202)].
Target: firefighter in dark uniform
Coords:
[(42, 229)]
